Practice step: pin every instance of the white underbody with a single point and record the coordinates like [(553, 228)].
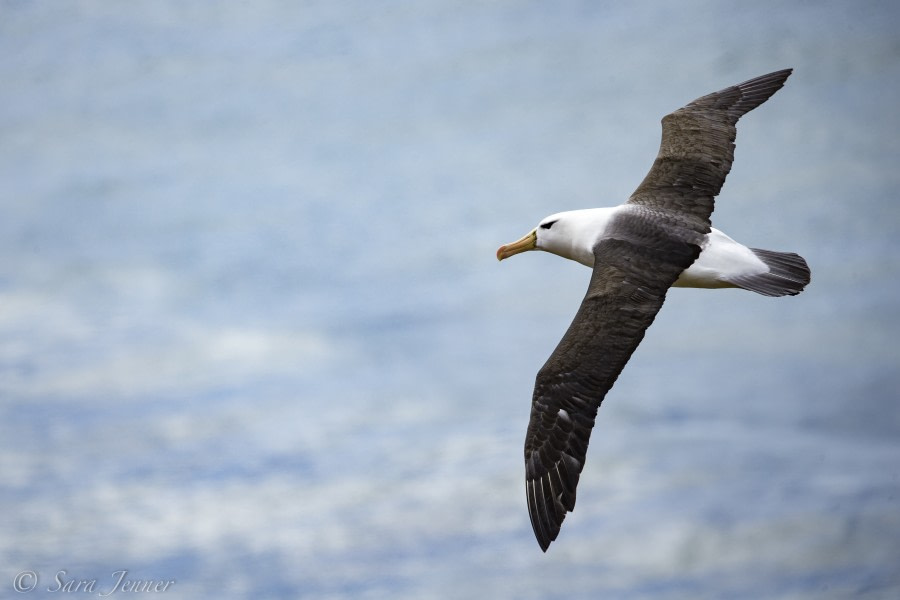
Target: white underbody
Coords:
[(721, 258), (574, 234)]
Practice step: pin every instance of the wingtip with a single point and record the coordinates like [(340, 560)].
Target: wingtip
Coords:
[(750, 93), (783, 74), (775, 77), (541, 527)]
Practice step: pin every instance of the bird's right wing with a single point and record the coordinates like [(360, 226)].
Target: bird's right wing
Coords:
[(697, 150)]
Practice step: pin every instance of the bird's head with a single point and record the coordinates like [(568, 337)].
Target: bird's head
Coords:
[(563, 234), (539, 238)]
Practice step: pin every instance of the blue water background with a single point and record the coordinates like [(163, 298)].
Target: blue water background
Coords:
[(254, 339)]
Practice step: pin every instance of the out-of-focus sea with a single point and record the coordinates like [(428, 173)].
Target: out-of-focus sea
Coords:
[(254, 338)]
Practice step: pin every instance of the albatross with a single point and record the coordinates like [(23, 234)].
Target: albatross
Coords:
[(659, 238)]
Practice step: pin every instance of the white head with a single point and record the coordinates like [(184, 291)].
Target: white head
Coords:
[(568, 234)]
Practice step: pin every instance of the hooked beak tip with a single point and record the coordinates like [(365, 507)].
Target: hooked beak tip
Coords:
[(527, 242)]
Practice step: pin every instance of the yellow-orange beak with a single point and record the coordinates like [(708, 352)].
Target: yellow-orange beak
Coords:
[(529, 242)]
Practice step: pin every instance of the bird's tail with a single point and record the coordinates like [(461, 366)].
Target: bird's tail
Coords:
[(787, 276)]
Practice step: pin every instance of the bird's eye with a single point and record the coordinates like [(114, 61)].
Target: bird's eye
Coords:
[(547, 225)]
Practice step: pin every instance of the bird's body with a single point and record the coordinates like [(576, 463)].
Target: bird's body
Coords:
[(659, 238), (575, 233)]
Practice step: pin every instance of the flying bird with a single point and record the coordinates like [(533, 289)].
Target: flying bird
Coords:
[(659, 238)]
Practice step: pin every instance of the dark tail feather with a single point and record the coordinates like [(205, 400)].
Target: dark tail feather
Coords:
[(788, 274)]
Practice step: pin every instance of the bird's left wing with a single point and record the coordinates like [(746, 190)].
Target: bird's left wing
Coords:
[(636, 262)]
